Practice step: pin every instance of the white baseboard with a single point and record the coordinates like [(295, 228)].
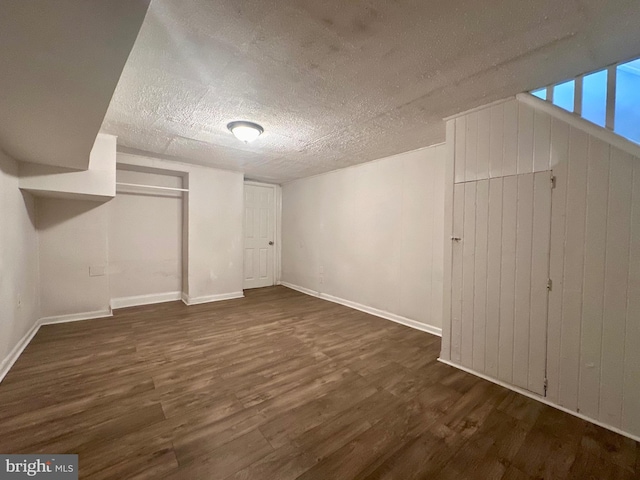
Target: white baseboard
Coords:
[(15, 353), (211, 298), (75, 317), (540, 399), (150, 299), (370, 310)]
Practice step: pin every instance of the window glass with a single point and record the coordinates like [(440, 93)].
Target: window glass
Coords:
[(594, 97), (542, 93), (627, 116), (563, 95)]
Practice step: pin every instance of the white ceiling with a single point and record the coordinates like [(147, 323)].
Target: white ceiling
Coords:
[(335, 83), (60, 62)]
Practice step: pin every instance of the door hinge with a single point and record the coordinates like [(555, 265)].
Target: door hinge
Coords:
[(549, 284), (553, 182), (546, 385)]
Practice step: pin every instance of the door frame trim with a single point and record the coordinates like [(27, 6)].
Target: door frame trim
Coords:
[(277, 226)]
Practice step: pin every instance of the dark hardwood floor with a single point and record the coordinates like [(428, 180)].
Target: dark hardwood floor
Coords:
[(280, 385)]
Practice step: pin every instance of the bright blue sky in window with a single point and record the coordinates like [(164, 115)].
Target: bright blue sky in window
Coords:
[(594, 97), (563, 95), (627, 122), (542, 93)]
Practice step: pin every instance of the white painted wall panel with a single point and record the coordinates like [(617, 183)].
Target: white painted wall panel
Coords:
[(615, 286), (593, 281), (541, 141), (508, 278), (525, 138), (593, 364), (496, 148), (559, 164), (524, 237), (375, 231), (460, 149), (457, 271), (483, 145), (494, 273), (573, 269), (539, 277), (468, 275), (471, 159), (480, 274), (447, 263), (631, 386), (510, 137)]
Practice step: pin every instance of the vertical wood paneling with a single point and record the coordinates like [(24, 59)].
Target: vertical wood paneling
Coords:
[(460, 149), (525, 138), (480, 281), (590, 318), (631, 387), (437, 289), (496, 141), (471, 160), (573, 269), (494, 249), (484, 144), (428, 240), (615, 289), (510, 130), (541, 141), (456, 275), (559, 164), (508, 277), (594, 258), (468, 269), (524, 236), (449, 177), (539, 278)]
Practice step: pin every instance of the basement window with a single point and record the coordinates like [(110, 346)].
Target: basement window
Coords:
[(609, 98), (563, 95), (541, 93), (594, 97), (627, 118)]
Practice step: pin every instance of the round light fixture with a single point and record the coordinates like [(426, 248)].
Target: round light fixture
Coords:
[(245, 131)]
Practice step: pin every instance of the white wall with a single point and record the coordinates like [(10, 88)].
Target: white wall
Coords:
[(213, 237), (72, 240), (370, 234), (19, 305), (98, 182), (145, 239), (593, 364)]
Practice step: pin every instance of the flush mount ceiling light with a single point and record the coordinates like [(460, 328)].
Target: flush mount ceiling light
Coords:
[(245, 131)]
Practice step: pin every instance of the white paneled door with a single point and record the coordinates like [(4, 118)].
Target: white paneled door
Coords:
[(259, 235), (500, 277)]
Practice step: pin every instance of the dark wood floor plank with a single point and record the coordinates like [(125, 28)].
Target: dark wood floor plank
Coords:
[(280, 385)]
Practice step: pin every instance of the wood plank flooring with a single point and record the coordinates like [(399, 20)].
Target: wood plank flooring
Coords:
[(280, 385)]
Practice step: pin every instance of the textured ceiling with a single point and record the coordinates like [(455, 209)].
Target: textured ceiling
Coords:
[(336, 82), (60, 62)]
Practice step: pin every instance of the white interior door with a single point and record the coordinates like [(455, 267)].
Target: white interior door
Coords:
[(500, 274), (259, 235)]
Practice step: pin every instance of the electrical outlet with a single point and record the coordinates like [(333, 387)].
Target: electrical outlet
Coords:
[(321, 279)]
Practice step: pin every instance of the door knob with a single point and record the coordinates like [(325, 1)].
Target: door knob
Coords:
[(270, 242)]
